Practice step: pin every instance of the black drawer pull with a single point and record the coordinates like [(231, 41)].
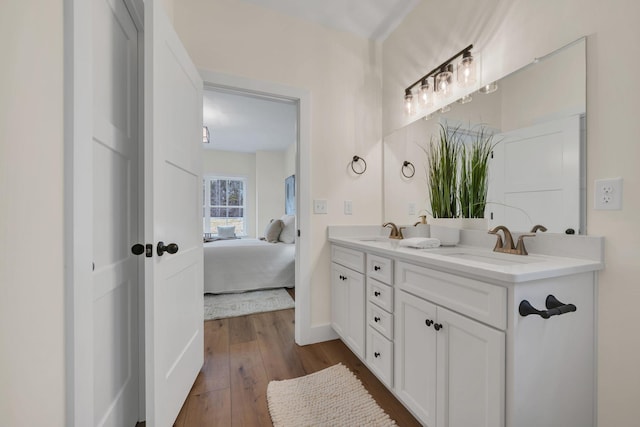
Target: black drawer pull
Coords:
[(437, 326), (376, 293), (376, 354), (377, 267), (343, 277), (428, 322), (376, 319), (554, 308)]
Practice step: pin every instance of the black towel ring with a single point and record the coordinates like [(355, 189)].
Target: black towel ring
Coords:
[(355, 160), (409, 166)]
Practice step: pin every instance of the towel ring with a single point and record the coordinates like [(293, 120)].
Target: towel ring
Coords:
[(409, 167), (355, 160)]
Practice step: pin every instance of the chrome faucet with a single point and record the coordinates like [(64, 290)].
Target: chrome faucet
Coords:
[(396, 233), (507, 245)]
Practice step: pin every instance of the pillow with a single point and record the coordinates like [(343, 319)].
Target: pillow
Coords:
[(226, 231), (272, 232), (288, 234)]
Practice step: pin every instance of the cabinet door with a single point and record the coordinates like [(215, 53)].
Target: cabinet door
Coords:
[(338, 299), (415, 356), (348, 307), (471, 372)]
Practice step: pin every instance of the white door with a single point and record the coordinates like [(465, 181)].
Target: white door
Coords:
[(115, 146), (471, 372), (535, 177), (173, 215)]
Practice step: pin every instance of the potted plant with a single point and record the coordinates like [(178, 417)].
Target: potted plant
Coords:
[(474, 175), (442, 160)]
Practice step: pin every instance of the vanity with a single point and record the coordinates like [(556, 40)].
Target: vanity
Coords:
[(464, 336)]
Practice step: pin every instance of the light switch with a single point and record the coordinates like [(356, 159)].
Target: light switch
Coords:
[(348, 207)]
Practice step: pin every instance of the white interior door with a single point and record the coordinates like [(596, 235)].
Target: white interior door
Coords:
[(173, 214), (115, 215), (535, 177)]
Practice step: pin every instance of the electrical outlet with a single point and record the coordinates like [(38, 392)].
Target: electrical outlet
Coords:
[(319, 206), (412, 209), (348, 207), (608, 194)]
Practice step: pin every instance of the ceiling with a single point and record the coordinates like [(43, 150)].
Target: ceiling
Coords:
[(371, 19), (246, 122)]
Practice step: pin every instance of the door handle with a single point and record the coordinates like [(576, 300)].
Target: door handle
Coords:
[(172, 248)]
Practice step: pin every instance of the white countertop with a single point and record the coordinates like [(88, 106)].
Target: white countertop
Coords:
[(472, 261)]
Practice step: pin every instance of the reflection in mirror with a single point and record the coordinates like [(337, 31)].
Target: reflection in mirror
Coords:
[(537, 172)]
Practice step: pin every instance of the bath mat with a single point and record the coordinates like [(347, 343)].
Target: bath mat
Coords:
[(331, 397), (219, 306)]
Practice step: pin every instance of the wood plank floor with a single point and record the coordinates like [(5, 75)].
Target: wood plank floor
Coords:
[(243, 354)]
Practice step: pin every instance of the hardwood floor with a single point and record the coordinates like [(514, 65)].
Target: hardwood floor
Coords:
[(243, 354)]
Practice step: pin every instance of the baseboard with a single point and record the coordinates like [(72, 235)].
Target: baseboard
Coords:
[(318, 333)]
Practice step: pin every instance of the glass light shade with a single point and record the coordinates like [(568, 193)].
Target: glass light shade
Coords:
[(426, 93), (465, 99), (443, 81), (489, 88), (467, 70), (408, 103)]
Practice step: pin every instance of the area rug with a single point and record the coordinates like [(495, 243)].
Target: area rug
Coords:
[(220, 306), (331, 397)]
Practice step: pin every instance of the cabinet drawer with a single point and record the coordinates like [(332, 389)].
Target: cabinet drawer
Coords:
[(349, 258), (380, 294), (380, 268), (380, 320), (479, 300), (380, 356)]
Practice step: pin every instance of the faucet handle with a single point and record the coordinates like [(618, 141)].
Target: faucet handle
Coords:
[(520, 249)]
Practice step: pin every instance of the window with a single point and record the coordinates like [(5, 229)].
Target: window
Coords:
[(224, 203)]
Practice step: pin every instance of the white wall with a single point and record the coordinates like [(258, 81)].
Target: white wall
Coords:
[(290, 160), (341, 72), (521, 31), (270, 187), (31, 214), (227, 163)]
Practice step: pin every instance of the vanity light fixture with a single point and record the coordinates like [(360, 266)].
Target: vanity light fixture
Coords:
[(206, 137), (439, 82)]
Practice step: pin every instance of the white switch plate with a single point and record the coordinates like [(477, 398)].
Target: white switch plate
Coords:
[(412, 209), (348, 207), (319, 206), (608, 194)]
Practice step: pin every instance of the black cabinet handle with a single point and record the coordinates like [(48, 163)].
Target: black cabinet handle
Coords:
[(172, 248), (377, 267), (554, 308), (343, 277), (437, 326), (376, 319), (376, 293), (376, 354), (429, 322)]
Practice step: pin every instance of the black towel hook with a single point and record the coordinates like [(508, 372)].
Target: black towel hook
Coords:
[(409, 167), (355, 160)]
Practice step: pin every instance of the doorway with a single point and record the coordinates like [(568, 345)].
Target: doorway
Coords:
[(303, 330)]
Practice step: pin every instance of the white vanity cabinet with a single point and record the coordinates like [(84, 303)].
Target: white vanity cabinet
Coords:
[(348, 297), (449, 369)]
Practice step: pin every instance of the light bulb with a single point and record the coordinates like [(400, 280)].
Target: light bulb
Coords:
[(444, 80)]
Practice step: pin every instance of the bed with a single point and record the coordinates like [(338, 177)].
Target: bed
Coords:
[(241, 265)]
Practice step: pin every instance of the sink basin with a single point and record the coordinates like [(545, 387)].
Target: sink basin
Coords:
[(493, 258)]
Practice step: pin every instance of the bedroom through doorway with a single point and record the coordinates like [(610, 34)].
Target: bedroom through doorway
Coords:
[(249, 165)]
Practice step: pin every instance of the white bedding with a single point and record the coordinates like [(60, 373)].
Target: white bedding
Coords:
[(247, 264)]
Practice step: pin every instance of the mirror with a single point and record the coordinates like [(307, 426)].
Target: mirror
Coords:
[(537, 172)]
